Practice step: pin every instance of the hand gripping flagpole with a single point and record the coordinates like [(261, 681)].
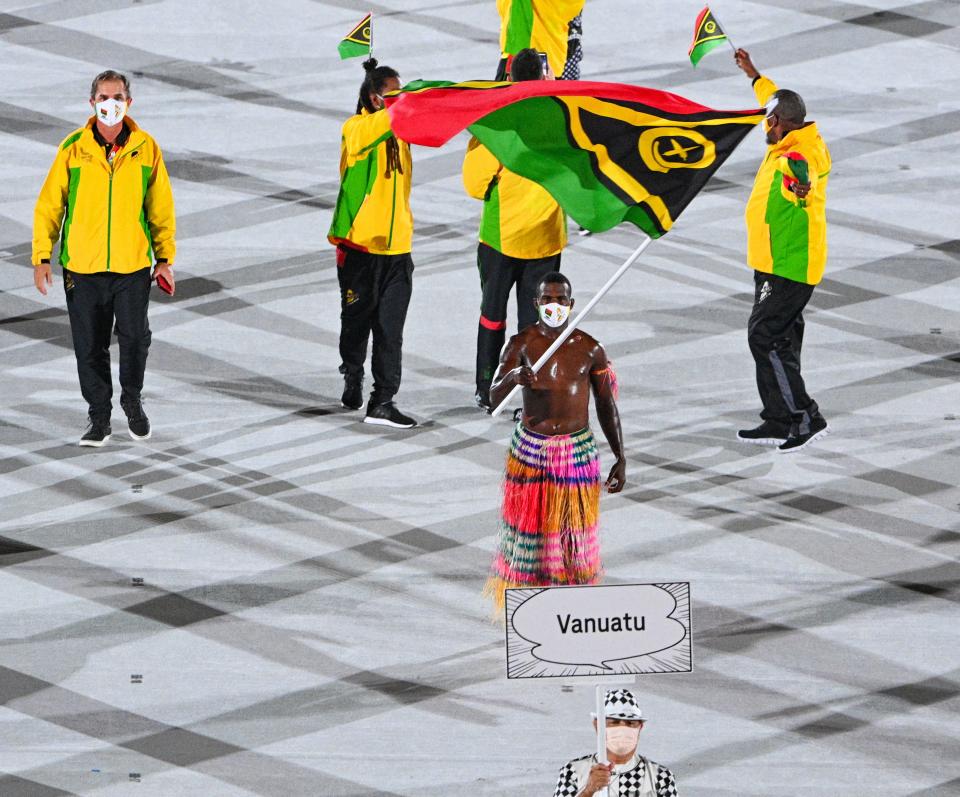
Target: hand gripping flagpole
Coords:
[(576, 321)]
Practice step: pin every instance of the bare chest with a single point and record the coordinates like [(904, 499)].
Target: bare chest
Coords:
[(569, 364)]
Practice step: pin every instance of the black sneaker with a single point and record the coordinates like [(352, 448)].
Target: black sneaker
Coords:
[(796, 442), (482, 399), (767, 433), (98, 432), (352, 398), (138, 424), (387, 414)]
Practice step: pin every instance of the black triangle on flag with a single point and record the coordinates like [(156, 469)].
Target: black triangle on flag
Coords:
[(707, 28), (361, 33)]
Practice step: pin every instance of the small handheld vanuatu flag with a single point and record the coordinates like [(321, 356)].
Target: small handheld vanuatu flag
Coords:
[(359, 40), (707, 35)]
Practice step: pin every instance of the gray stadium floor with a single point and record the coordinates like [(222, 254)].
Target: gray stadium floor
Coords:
[(310, 620)]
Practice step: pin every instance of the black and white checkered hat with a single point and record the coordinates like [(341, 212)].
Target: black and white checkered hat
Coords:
[(620, 704)]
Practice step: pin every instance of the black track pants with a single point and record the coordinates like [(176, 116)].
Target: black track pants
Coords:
[(374, 295), (498, 276), (775, 335), (97, 304)]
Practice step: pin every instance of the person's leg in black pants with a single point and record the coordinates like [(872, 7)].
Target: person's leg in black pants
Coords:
[(395, 285), (496, 279), (531, 272), (131, 297), (91, 322), (775, 332), (356, 273)]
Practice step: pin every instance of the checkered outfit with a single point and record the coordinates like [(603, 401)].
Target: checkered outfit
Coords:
[(626, 784), (621, 704), (571, 69)]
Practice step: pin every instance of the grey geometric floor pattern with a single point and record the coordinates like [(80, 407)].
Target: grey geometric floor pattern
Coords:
[(270, 598)]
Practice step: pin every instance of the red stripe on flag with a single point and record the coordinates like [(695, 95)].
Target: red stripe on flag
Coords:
[(699, 22), (696, 28), (451, 109)]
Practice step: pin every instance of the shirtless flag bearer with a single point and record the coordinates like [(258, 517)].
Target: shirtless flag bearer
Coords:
[(549, 532)]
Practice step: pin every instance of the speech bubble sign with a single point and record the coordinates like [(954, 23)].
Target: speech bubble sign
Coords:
[(593, 626)]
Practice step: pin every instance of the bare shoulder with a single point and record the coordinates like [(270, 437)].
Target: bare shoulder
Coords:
[(523, 337), (580, 338), (516, 344), (588, 344)]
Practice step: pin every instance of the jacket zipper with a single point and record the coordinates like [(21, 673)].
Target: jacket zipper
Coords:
[(109, 214)]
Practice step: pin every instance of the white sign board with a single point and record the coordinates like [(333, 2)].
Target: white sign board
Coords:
[(563, 632)]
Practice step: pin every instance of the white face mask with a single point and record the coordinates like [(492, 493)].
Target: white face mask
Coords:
[(111, 112), (553, 314), (622, 740)]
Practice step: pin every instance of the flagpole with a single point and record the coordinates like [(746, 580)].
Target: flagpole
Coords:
[(717, 20), (576, 321), (371, 35)]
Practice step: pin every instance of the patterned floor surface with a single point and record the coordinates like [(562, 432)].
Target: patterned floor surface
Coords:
[(270, 598)]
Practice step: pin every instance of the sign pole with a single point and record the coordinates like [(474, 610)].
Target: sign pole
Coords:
[(576, 321), (602, 733)]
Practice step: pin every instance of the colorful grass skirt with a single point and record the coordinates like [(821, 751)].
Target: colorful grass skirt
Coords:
[(549, 521)]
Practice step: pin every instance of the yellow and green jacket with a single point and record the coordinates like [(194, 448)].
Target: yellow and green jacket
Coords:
[(520, 219), (786, 235), (540, 24), (373, 206), (109, 217)]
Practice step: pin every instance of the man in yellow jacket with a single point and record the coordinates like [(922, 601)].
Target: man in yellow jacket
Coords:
[(107, 198), (522, 232), (787, 249)]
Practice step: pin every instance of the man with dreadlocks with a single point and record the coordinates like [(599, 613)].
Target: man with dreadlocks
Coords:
[(372, 229), (551, 494)]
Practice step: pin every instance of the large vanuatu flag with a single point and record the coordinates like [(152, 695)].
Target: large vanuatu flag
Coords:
[(607, 152)]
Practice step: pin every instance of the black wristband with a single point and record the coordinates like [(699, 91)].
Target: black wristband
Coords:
[(754, 81), (44, 261)]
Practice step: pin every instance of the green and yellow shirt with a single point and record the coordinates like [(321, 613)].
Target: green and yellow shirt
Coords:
[(373, 206), (520, 219), (786, 235), (540, 24), (110, 215)]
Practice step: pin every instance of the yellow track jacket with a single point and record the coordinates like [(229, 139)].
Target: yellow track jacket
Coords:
[(520, 219), (113, 217), (540, 24), (786, 235), (373, 208)]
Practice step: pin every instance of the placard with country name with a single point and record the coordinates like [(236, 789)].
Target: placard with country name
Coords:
[(623, 629)]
